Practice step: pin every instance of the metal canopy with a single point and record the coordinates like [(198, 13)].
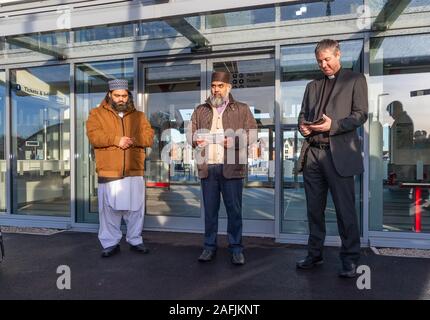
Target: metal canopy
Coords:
[(30, 43), (93, 13), (389, 14), (188, 31)]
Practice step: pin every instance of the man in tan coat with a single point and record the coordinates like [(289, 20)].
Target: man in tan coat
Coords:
[(119, 134)]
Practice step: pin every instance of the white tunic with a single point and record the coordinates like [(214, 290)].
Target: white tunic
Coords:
[(125, 194)]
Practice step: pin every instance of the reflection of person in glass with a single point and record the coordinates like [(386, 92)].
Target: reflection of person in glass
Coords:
[(119, 133), (219, 176), (402, 129), (331, 154)]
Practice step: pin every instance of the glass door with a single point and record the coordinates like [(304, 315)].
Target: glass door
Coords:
[(40, 101), (91, 86), (253, 82), (298, 68), (170, 93)]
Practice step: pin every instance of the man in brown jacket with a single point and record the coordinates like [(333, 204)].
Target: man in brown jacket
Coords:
[(222, 129), (119, 133)]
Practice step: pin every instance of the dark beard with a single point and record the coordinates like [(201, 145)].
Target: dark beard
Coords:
[(124, 107)]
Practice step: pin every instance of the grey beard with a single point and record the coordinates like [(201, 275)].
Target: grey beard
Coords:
[(217, 101)]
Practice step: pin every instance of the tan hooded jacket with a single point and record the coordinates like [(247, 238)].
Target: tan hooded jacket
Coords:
[(105, 129)]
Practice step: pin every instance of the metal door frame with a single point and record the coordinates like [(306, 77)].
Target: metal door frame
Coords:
[(251, 227)]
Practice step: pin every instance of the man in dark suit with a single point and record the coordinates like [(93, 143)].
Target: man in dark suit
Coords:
[(331, 154)]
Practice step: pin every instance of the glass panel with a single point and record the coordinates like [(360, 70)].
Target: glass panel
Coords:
[(2, 43), (240, 18), (391, 56), (298, 68), (414, 6), (2, 141), (52, 43), (318, 9), (91, 88), (41, 140), (172, 93), (104, 32), (253, 83), (399, 93), (161, 29)]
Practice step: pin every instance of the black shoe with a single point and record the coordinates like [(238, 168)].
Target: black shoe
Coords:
[(140, 248), (349, 270), (207, 255), (110, 251), (309, 262), (238, 258)]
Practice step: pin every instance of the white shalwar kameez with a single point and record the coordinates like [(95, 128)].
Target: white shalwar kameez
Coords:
[(123, 198)]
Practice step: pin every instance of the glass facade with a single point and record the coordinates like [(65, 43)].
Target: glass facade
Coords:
[(104, 33), (49, 44), (318, 9), (253, 82), (399, 134), (269, 51), (172, 93), (240, 18), (40, 100)]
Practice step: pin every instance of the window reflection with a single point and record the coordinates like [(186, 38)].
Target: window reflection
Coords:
[(317, 9), (104, 32), (376, 6), (399, 134), (253, 83), (172, 93), (39, 41), (160, 29), (41, 140), (240, 18)]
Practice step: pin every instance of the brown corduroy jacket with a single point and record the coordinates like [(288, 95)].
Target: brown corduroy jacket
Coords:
[(236, 116), (105, 129)]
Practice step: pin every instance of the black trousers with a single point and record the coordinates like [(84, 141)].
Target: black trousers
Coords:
[(319, 176)]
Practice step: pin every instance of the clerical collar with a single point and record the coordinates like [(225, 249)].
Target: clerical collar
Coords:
[(331, 77)]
